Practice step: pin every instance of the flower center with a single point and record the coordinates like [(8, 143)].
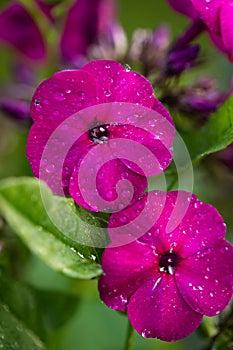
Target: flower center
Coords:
[(168, 262), (99, 134)]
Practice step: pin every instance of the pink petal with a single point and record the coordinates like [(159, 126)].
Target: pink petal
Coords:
[(157, 310), (209, 13), (64, 94), (137, 221), (102, 182), (18, 29), (175, 220), (115, 83), (147, 153), (186, 8), (187, 225), (198, 224), (226, 24), (53, 152), (160, 109), (206, 279), (125, 269)]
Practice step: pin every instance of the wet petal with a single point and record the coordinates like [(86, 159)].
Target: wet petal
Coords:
[(159, 108), (125, 269), (206, 279), (198, 225), (115, 83), (226, 24), (64, 94), (157, 310), (187, 224), (53, 152), (209, 13), (146, 154), (175, 220), (18, 29), (100, 183)]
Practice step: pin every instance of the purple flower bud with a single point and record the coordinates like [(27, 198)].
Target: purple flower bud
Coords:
[(203, 96), (180, 60), (16, 109)]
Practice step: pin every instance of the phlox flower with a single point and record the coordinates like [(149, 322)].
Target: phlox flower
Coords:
[(71, 91), (175, 273)]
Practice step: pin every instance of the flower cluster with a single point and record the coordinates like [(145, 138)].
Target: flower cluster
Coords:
[(155, 277), (96, 121)]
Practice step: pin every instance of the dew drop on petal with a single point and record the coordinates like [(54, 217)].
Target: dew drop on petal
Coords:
[(81, 95), (58, 96), (127, 67), (107, 93), (50, 168)]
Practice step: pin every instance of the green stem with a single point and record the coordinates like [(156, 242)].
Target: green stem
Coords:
[(48, 31), (130, 337)]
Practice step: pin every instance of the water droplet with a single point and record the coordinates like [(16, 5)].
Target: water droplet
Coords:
[(108, 93), (81, 95), (50, 168), (109, 194), (123, 218), (36, 102), (59, 96), (127, 67)]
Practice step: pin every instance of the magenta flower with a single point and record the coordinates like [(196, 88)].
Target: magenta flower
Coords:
[(175, 273), (70, 91), (217, 15), (18, 29)]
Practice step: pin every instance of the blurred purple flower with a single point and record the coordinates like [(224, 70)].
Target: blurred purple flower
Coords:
[(149, 47), (89, 22), (68, 92), (167, 280), (17, 109), (202, 97), (217, 15), (18, 29)]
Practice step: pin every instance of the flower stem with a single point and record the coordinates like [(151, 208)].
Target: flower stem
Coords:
[(130, 337)]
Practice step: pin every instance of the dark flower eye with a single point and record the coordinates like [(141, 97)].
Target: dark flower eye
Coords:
[(99, 134)]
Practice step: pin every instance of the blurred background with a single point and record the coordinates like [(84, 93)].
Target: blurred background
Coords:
[(91, 326)]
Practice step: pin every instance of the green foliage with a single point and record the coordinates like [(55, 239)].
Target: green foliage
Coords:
[(22, 206), (214, 136), (28, 316)]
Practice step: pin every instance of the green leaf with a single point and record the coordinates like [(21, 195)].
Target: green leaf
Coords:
[(28, 316), (41, 311), (22, 206), (216, 134), (14, 334)]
